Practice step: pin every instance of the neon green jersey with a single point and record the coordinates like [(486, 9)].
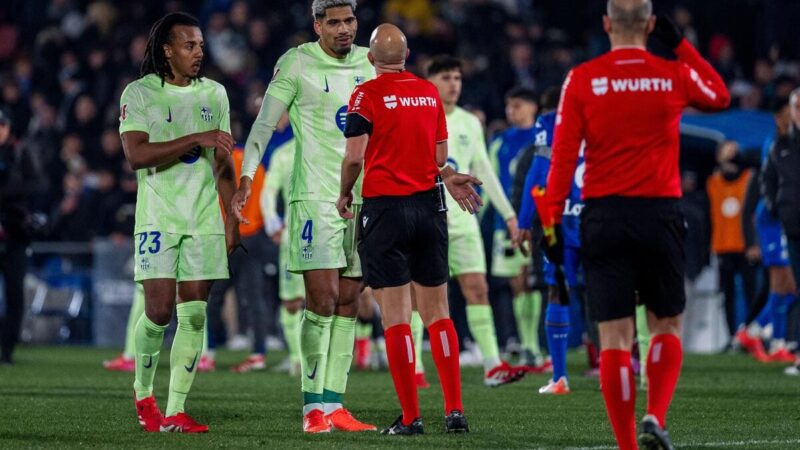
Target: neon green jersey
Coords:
[(179, 197), (317, 87), (281, 162), (466, 153)]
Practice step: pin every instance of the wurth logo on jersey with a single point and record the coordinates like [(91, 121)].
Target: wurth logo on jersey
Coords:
[(391, 101), (600, 85)]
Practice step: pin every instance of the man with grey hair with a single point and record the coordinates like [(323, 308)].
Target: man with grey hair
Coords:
[(313, 82), (626, 106)]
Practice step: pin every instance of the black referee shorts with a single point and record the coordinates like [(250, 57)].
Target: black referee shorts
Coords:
[(403, 239), (633, 246)]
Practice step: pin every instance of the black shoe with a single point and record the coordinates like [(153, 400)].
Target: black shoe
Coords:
[(651, 436), (455, 422), (397, 428)]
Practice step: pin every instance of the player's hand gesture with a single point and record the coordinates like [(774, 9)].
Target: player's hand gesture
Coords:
[(461, 188), (343, 205), (240, 198), (513, 231), (232, 237), (218, 139)]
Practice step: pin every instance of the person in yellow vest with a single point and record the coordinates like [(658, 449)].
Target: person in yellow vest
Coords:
[(726, 191), (248, 276)]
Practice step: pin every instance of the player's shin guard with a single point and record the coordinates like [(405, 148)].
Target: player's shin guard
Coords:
[(315, 338), (664, 368), (148, 338), (137, 311), (400, 352), (290, 325), (417, 331), (619, 394), (481, 324), (185, 353), (444, 347), (340, 357), (557, 328)]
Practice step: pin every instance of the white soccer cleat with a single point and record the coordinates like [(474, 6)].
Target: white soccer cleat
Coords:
[(560, 387)]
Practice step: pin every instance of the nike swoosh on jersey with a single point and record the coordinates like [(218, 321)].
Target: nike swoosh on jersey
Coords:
[(169, 117), (327, 89)]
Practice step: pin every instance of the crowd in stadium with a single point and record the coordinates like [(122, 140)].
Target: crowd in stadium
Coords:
[(64, 65)]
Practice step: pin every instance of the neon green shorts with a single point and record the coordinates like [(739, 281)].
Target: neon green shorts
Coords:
[(180, 257), (320, 239), (290, 285), (465, 253), (504, 265)]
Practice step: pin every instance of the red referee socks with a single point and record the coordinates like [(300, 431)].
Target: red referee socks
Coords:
[(663, 369), (400, 353), (444, 346), (619, 393)]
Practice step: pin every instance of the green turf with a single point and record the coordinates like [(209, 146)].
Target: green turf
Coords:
[(61, 397)]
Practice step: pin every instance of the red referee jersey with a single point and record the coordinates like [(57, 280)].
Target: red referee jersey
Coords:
[(408, 121), (627, 106)]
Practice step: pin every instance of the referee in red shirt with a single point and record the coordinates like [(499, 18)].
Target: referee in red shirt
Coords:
[(626, 105), (396, 129)]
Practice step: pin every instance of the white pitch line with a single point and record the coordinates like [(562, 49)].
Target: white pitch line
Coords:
[(707, 444)]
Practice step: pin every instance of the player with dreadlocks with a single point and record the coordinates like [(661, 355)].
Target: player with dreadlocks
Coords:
[(175, 129)]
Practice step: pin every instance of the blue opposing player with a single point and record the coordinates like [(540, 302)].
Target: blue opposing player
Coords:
[(557, 323)]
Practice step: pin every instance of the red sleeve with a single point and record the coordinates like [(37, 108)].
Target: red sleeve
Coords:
[(441, 124), (704, 88), (361, 104), (567, 138)]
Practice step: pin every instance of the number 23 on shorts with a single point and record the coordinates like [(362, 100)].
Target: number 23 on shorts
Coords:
[(149, 242)]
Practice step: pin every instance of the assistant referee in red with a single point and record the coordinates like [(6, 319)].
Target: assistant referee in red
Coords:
[(396, 128), (626, 105)]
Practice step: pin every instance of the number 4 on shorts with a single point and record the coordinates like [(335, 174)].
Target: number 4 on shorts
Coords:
[(308, 229)]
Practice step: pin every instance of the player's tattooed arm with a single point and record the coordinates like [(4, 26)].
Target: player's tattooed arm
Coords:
[(141, 153)]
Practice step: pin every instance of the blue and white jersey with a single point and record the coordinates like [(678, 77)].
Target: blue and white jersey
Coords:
[(504, 152), (537, 175)]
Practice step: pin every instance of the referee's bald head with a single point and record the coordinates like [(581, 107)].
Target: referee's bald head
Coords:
[(629, 16), (388, 47)]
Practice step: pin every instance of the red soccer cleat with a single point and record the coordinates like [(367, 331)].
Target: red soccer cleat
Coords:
[(363, 353), (206, 364), (783, 356), (421, 382), (314, 422), (342, 420), (503, 373), (253, 362), (150, 417), (182, 423), (120, 364)]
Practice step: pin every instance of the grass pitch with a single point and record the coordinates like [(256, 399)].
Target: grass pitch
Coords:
[(61, 397)]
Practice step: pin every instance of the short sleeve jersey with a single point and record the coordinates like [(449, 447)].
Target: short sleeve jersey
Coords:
[(408, 120), (316, 87), (465, 146), (179, 197)]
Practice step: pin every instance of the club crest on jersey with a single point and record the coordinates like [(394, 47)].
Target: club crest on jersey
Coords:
[(390, 101), (308, 253), (600, 86), (205, 113), (144, 264)]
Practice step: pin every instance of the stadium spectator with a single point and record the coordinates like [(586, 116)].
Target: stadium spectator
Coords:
[(726, 191), (20, 178)]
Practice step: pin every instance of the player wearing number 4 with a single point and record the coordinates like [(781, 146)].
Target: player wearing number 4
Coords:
[(175, 128), (314, 81)]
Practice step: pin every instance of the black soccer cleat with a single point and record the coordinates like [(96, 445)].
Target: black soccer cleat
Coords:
[(651, 436), (397, 428), (455, 422)]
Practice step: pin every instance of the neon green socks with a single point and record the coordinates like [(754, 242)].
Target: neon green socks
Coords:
[(481, 324), (417, 330), (137, 311), (290, 323), (315, 338), (340, 358), (185, 353), (148, 338)]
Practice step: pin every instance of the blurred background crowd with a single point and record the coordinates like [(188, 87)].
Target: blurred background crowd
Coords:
[(64, 63)]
